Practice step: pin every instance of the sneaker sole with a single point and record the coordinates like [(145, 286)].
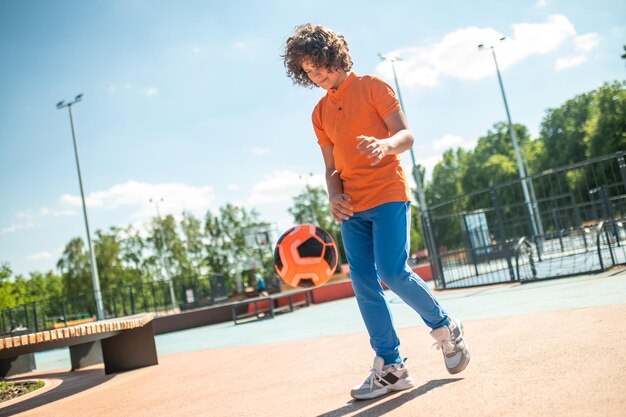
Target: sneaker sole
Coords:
[(401, 385)]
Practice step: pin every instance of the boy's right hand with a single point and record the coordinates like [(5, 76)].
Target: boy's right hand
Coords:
[(341, 207)]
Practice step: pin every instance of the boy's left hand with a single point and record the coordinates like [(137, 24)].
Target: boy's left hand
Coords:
[(373, 148)]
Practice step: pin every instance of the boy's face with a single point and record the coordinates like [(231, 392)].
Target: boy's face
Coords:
[(323, 77)]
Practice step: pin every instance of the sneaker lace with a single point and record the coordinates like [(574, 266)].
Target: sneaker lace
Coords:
[(376, 375), (447, 345)]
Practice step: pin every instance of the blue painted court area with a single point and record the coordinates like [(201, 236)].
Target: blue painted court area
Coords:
[(342, 316)]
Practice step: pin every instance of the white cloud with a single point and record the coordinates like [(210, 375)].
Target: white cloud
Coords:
[(539, 38), (260, 151), (151, 91), (456, 54), (274, 193), (39, 256), (541, 3), (176, 197), (233, 187), (113, 88), (57, 213), (429, 162), (16, 227), (44, 212), (585, 44), (569, 62), (29, 218), (276, 187), (452, 141)]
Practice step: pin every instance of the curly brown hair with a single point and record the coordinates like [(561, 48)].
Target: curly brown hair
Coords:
[(319, 45)]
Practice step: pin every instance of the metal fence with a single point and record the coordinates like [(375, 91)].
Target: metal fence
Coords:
[(154, 296), (586, 249), (572, 222)]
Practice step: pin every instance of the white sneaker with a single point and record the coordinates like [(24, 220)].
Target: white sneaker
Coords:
[(383, 380), (449, 339)]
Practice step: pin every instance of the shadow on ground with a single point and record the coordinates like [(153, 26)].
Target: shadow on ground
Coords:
[(386, 403), (71, 383)]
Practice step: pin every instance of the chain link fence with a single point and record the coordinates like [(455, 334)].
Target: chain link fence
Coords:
[(571, 222), (154, 297)]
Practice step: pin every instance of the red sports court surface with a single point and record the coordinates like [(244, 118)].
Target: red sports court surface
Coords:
[(547, 348), (565, 363)]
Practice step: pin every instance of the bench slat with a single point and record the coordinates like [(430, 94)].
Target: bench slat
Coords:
[(78, 330)]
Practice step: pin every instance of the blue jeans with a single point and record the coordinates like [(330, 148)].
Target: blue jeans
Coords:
[(377, 246)]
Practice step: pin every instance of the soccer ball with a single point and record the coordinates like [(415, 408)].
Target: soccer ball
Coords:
[(305, 256)]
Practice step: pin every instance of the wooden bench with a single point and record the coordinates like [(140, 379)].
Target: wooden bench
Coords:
[(122, 344), (267, 307)]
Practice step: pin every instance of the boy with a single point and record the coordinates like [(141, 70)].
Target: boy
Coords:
[(361, 131)]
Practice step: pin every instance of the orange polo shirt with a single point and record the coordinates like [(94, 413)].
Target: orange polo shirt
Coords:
[(357, 108)]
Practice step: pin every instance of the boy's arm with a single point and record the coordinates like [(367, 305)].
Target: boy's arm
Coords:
[(340, 206), (401, 139)]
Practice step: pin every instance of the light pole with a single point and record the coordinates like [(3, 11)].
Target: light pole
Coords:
[(416, 174), (94, 268), (164, 263), (536, 228)]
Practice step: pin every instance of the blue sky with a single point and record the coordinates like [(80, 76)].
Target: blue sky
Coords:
[(188, 100)]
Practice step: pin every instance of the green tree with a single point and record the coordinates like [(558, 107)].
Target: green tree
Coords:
[(445, 183), (227, 252), (589, 125), (492, 162), (75, 269), (193, 236), (605, 128), (116, 273), (134, 253), (422, 175), (18, 291), (5, 272), (12, 294), (532, 153), (6, 296), (312, 206), (562, 133), (40, 286), (168, 255), (416, 237), (108, 252), (217, 258)]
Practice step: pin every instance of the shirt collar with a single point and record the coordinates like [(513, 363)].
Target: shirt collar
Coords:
[(343, 86)]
